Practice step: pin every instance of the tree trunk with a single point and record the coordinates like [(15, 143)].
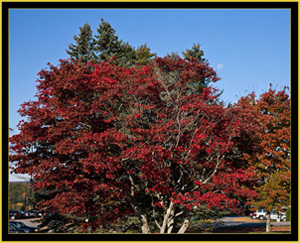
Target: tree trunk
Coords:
[(143, 219), (167, 218), (184, 226), (145, 225), (171, 222), (268, 224)]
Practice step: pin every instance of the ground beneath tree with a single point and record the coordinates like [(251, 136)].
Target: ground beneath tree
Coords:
[(260, 229), (241, 225), (278, 229)]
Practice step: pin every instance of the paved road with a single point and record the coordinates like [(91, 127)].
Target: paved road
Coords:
[(29, 222), (234, 222)]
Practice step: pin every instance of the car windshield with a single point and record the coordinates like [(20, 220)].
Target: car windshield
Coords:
[(20, 224)]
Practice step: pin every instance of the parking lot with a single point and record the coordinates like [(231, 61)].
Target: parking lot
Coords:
[(30, 222), (226, 224)]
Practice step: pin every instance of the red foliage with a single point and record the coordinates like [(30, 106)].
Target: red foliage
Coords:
[(105, 141)]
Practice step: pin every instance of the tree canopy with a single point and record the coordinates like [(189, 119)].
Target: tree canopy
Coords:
[(112, 141), (273, 163)]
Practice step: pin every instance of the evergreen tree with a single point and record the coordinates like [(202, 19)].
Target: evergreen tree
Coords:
[(107, 44), (132, 57), (196, 54), (127, 57), (143, 55), (83, 49)]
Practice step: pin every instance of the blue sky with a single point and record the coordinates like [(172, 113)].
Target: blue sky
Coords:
[(248, 48)]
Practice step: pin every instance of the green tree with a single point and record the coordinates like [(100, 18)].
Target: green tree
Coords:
[(197, 55), (127, 56), (195, 52), (84, 47), (288, 214), (144, 56), (107, 44), (16, 191)]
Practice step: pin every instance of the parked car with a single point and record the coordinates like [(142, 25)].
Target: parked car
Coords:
[(22, 215), (41, 214), (275, 216), (283, 216), (13, 229), (26, 214), (14, 214), (21, 226), (262, 215), (32, 213)]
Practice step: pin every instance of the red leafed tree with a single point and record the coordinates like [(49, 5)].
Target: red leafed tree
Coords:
[(110, 141)]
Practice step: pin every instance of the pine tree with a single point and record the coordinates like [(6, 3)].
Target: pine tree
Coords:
[(84, 47), (127, 57), (144, 56), (107, 44), (196, 54)]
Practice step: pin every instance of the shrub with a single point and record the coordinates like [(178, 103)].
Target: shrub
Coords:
[(288, 214)]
